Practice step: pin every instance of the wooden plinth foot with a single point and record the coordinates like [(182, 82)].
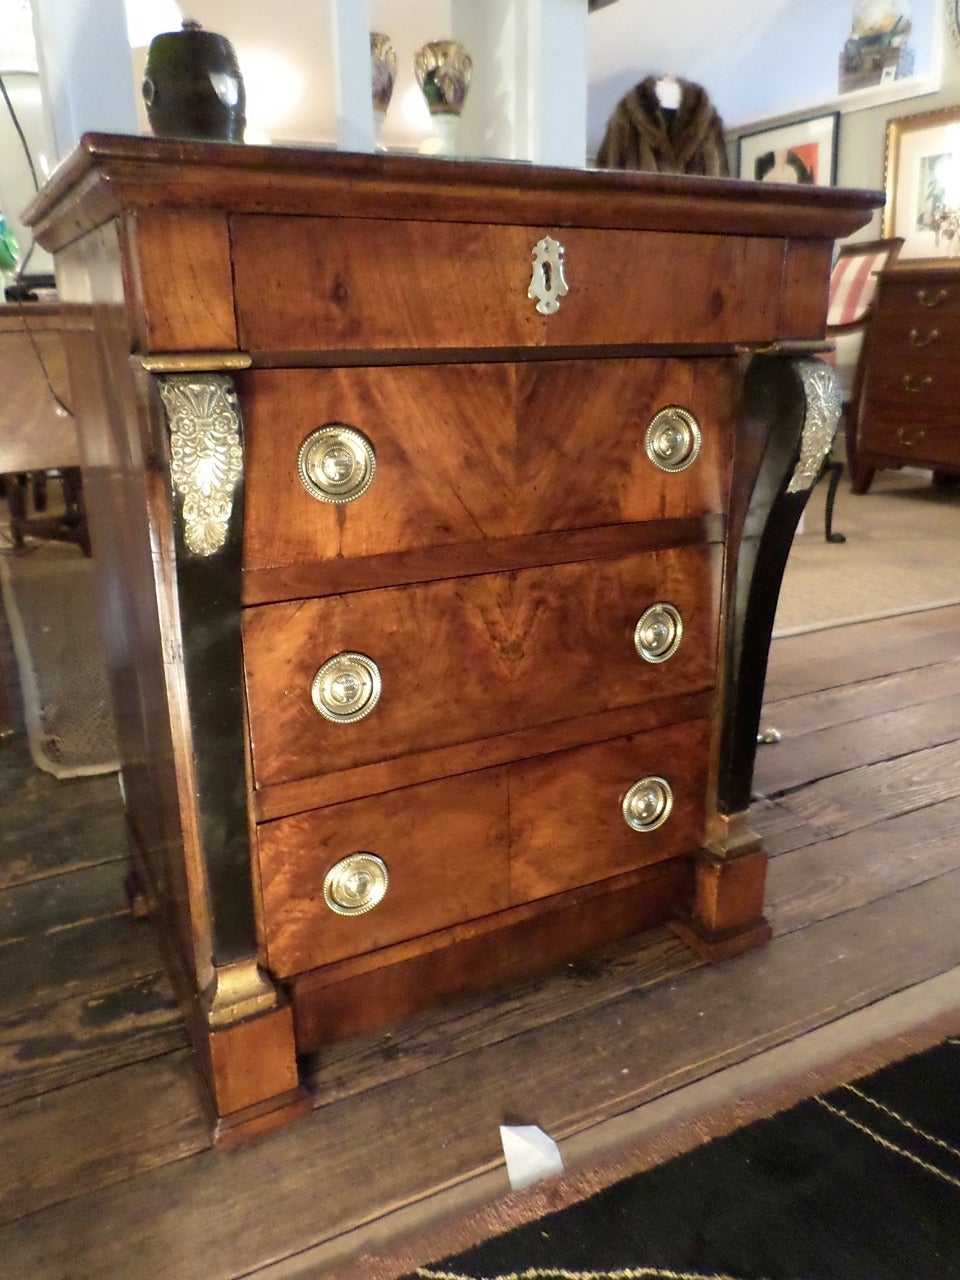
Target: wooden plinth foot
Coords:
[(727, 913), (257, 1122), (253, 1076)]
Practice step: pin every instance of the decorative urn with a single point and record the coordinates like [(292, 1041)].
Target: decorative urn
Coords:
[(192, 86), (443, 69)]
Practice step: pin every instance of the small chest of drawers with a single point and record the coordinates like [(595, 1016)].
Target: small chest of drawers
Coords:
[(440, 512), (909, 413)]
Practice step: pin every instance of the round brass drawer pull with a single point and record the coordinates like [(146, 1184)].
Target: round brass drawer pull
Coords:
[(647, 804), (673, 439), (355, 884), (658, 634), (346, 688), (336, 463)]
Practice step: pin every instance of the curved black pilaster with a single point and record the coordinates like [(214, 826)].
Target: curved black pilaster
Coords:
[(789, 417)]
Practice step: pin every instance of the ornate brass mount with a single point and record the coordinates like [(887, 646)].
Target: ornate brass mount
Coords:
[(648, 803), (336, 463), (547, 283), (914, 384), (346, 688), (908, 439), (658, 634), (355, 884), (206, 456), (673, 439)]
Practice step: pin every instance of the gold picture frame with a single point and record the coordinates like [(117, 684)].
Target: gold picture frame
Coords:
[(922, 183)]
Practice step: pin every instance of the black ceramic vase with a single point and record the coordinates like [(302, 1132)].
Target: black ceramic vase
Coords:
[(192, 86)]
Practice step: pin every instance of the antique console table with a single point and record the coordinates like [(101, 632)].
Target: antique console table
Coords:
[(443, 507)]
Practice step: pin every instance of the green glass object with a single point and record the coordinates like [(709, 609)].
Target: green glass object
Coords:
[(192, 86), (9, 249)]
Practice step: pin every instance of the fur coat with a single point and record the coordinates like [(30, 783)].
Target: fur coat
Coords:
[(642, 135)]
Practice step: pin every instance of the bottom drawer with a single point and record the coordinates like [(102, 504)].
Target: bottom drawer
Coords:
[(914, 440), (462, 848)]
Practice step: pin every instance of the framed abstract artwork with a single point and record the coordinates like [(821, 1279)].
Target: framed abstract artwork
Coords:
[(804, 150), (922, 182)]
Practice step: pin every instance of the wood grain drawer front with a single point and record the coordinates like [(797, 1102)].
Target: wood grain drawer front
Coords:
[(474, 658), (922, 389), (463, 848), (566, 811), (913, 439), (445, 846), (354, 284), (478, 452)]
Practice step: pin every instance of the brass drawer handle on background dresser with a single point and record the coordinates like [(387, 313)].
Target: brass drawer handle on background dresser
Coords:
[(336, 463), (673, 439), (915, 384), (547, 284), (928, 299), (648, 803), (346, 688), (917, 341), (908, 440), (355, 884), (658, 634)]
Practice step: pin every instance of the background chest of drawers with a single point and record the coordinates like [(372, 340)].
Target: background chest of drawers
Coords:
[(909, 413), (427, 500)]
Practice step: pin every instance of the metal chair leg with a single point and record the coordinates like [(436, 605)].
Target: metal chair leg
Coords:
[(836, 471)]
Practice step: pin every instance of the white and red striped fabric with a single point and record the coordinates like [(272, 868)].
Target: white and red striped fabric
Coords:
[(853, 285)]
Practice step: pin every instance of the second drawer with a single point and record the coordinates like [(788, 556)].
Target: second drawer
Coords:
[(472, 658)]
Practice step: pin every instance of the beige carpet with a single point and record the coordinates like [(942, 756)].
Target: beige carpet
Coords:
[(48, 597), (902, 555)]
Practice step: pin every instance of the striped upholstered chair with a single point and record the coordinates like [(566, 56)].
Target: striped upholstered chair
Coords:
[(853, 287)]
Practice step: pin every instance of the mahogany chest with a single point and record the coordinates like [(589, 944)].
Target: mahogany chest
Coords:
[(908, 413), (440, 510)]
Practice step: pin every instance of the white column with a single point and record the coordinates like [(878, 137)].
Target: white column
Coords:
[(350, 31), (85, 69), (528, 97)]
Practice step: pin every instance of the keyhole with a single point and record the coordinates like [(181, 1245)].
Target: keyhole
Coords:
[(547, 272)]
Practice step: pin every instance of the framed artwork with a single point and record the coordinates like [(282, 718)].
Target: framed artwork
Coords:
[(802, 151), (922, 182)]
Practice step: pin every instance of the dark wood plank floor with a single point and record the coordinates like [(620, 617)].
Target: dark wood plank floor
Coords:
[(105, 1166)]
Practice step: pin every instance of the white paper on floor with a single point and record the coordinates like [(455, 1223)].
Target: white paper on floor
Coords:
[(530, 1154)]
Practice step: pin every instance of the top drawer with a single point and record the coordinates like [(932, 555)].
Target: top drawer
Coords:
[(341, 284), (916, 315), (473, 452)]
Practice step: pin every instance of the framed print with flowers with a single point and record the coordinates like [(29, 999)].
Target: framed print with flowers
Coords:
[(922, 182)]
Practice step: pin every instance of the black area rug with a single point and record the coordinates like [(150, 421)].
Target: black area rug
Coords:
[(862, 1183)]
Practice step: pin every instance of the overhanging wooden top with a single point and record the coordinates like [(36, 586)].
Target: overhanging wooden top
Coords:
[(108, 174)]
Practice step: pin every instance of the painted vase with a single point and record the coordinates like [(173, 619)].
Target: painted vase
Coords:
[(443, 69), (383, 75), (192, 86)]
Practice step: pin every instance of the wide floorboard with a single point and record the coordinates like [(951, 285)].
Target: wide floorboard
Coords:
[(105, 1165)]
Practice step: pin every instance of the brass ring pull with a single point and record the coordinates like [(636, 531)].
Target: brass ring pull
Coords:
[(355, 884), (657, 635), (673, 439), (346, 688), (909, 440), (648, 803), (917, 341), (914, 384), (336, 463), (928, 299)]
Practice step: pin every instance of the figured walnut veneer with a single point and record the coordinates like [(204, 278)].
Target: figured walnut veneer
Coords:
[(515, 530)]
